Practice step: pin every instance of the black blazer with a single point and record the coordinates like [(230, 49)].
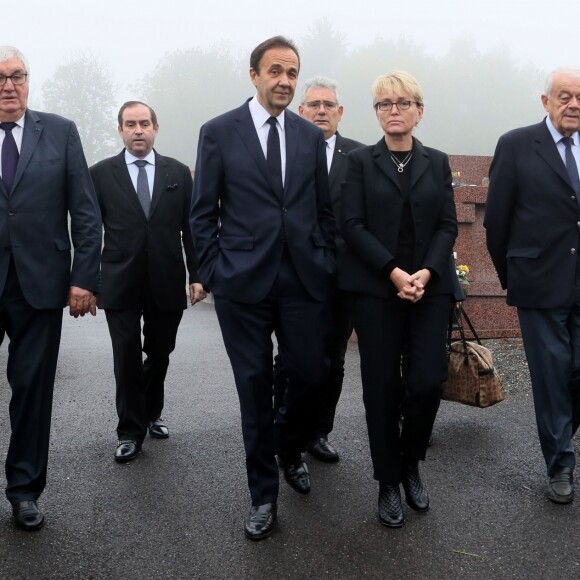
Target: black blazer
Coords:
[(238, 219), (531, 219), (52, 181), (138, 251), (336, 176), (372, 206)]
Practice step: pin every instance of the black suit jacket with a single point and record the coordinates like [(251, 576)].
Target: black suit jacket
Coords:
[(531, 219), (238, 219), (52, 181), (336, 176), (372, 206), (138, 251)]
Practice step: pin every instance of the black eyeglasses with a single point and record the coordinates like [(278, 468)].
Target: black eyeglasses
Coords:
[(17, 78), (315, 105), (388, 105)]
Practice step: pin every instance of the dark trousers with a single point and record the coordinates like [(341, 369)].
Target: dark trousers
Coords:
[(329, 393), (140, 385), (300, 324), (32, 357), (385, 329), (552, 345)]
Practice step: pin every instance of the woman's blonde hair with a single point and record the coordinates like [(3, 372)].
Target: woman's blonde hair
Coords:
[(399, 82)]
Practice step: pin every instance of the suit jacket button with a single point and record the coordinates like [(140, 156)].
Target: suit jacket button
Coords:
[(573, 251), (11, 212)]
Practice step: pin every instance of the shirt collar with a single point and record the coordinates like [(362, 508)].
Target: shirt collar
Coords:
[(261, 116), (556, 135), (130, 158)]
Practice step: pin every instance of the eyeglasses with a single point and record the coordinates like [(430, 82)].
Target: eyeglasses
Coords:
[(315, 105), (388, 105), (17, 78)]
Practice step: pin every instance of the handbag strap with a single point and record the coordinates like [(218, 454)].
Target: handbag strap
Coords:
[(463, 314)]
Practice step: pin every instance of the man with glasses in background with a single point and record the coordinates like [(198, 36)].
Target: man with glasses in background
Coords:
[(45, 179), (320, 105)]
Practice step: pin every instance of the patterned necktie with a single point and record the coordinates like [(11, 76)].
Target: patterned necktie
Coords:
[(274, 158), (571, 165), (143, 192), (9, 155)]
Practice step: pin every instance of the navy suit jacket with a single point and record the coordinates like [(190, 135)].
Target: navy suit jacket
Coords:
[(336, 176), (531, 219), (372, 206), (239, 220), (140, 251), (52, 181)]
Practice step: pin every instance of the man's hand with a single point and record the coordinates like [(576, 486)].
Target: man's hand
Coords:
[(81, 301), (196, 293)]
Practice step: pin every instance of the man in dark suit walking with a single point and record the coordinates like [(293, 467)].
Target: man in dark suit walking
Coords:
[(533, 224), (145, 200), (320, 105), (45, 179), (263, 226)]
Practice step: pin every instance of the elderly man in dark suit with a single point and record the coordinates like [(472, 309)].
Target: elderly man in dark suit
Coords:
[(320, 105), (533, 223), (145, 200), (45, 179), (263, 226)]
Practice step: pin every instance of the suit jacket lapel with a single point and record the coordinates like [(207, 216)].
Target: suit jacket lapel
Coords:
[(383, 159), (338, 158), (247, 132), (160, 183), (121, 174), (31, 135), (548, 150), (291, 131), (419, 163)]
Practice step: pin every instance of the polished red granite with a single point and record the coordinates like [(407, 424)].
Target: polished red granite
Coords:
[(485, 305)]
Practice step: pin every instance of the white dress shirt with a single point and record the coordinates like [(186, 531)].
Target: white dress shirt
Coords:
[(134, 170)]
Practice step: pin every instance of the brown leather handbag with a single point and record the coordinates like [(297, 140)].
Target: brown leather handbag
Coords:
[(472, 379)]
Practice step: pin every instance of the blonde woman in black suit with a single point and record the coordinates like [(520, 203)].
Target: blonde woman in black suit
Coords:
[(399, 223)]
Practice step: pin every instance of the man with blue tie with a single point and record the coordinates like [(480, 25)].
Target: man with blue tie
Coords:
[(263, 226), (144, 199), (533, 236), (44, 181)]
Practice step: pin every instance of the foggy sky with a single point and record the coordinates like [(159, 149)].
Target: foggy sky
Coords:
[(131, 36)]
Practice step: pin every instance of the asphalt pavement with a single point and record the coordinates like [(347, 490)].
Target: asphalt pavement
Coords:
[(176, 511)]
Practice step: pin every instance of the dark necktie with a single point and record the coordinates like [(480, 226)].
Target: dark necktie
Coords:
[(273, 155), (9, 155), (143, 192), (571, 165)]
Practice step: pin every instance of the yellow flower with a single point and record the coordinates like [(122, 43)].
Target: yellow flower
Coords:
[(463, 268)]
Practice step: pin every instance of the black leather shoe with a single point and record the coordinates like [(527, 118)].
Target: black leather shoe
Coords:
[(27, 515), (415, 493), (298, 476), (158, 429), (127, 450), (390, 506), (260, 521), (561, 486), (322, 450)]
